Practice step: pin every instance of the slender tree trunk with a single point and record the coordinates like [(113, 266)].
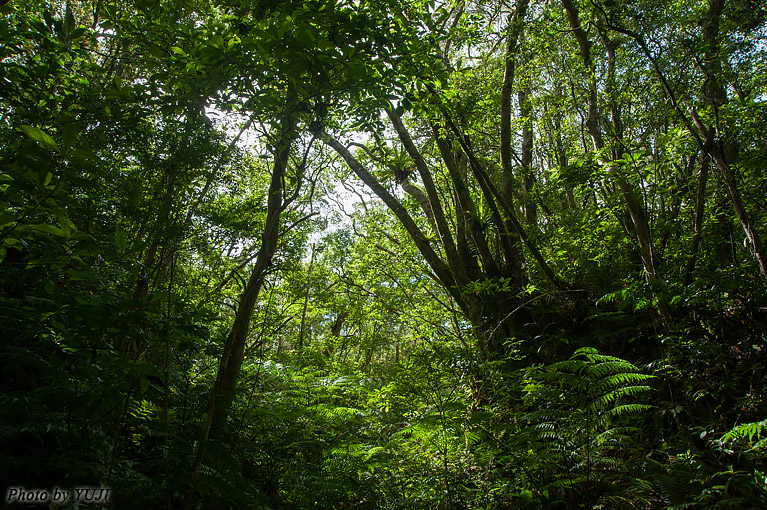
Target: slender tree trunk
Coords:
[(509, 234), (437, 215), (716, 143), (740, 210), (718, 140), (231, 360), (528, 177), (628, 193), (515, 26), (440, 268), (468, 228), (480, 313), (698, 222), (306, 304), (562, 161), (494, 199), (234, 349)]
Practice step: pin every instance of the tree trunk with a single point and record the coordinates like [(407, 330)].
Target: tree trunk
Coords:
[(513, 32), (234, 349), (232, 357), (698, 222), (440, 268), (306, 304), (437, 215), (628, 193), (718, 140), (528, 177)]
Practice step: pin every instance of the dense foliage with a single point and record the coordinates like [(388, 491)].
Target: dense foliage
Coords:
[(382, 254)]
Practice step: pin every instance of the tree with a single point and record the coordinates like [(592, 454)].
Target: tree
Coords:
[(473, 220), (535, 295)]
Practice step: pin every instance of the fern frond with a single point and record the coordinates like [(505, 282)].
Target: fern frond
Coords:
[(629, 409), (624, 378), (573, 366), (748, 431), (602, 402), (604, 368), (566, 379)]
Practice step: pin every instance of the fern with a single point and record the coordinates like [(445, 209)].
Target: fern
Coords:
[(583, 408), (676, 484), (748, 431)]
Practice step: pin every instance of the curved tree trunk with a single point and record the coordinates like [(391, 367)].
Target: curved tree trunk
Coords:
[(234, 350), (718, 140), (628, 193), (717, 143)]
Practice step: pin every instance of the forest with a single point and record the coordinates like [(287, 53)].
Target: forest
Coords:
[(383, 254)]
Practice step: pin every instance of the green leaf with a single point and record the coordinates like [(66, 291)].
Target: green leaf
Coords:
[(6, 218), (86, 154), (40, 136), (67, 226), (77, 33), (77, 275), (49, 229), (69, 20), (480, 416), (120, 242), (69, 135)]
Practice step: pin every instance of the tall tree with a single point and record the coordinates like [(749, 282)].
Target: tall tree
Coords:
[(472, 212)]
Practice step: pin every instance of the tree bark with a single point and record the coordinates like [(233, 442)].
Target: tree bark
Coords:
[(494, 198), (716, 150), (440, 268), (633, 204), (514, 30), (306, 304), (718, 140), (528, 177), (232, 357), (717, 144), (234, 349), (466, 212), (698, 222), (437, 214)]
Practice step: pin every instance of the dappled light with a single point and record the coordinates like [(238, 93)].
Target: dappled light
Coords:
[(379, 254)]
